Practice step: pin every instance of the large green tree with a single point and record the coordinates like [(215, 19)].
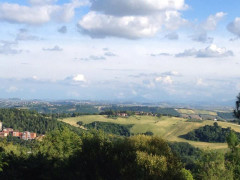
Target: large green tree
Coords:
[(211, 165)]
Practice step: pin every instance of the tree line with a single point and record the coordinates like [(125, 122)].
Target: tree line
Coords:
[(25, 120), (63, 154), (208, 133)]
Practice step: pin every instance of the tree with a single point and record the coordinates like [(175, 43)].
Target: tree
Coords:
[(237, 110), (232, 141), (212, 165), (233, 157), (60, 144)]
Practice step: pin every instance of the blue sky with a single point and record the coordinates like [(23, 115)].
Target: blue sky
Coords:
[(140, 50)]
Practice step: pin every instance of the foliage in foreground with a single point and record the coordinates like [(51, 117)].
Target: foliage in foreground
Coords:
[(64, 155)]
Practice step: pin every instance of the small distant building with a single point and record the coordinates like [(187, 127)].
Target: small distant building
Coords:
[(26, 135), (8, 130), (3, 134), (33, 135), (15, 133)]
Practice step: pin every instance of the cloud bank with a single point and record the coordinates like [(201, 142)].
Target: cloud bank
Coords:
[(131, 19), (38, 12)]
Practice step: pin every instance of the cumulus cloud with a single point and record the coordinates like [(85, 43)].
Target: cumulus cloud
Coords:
[(135, 7), (79, 78), (55, 48), (164, 79), (7, 47), (131, 19), (37, 13), (234, 27), (209, 52), (131, 27), (210, 24), (63, 30)]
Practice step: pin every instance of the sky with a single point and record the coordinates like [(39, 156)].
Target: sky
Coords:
[(177, 51)]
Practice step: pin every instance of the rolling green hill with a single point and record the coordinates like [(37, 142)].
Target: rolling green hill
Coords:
[(169, 128)]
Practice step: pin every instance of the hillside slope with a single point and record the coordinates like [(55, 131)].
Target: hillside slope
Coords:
[(167, 127)]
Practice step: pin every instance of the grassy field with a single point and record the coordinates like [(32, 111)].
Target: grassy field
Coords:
[(166, 127), (195, 111)]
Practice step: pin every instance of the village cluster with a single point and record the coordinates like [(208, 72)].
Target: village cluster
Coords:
[(26, 135)]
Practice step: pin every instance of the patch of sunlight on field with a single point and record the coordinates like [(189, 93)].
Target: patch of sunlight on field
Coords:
[(195, 111), (169, 128), (185, 111), (212, 113)]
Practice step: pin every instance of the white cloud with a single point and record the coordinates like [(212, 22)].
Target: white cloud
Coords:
[(172, 73), (208, 52), (79, 78), (75, 80), (132, 27), (132, 19), (36, 14), (234, 27), (136, 7), (211, 23), (173, 20), (100, 25), (164, 79)]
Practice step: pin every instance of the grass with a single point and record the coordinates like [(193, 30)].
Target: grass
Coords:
[(166, 127), (194, 111)]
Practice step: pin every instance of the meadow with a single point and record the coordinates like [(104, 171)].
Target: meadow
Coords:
[(196, 111), (168, 128)]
